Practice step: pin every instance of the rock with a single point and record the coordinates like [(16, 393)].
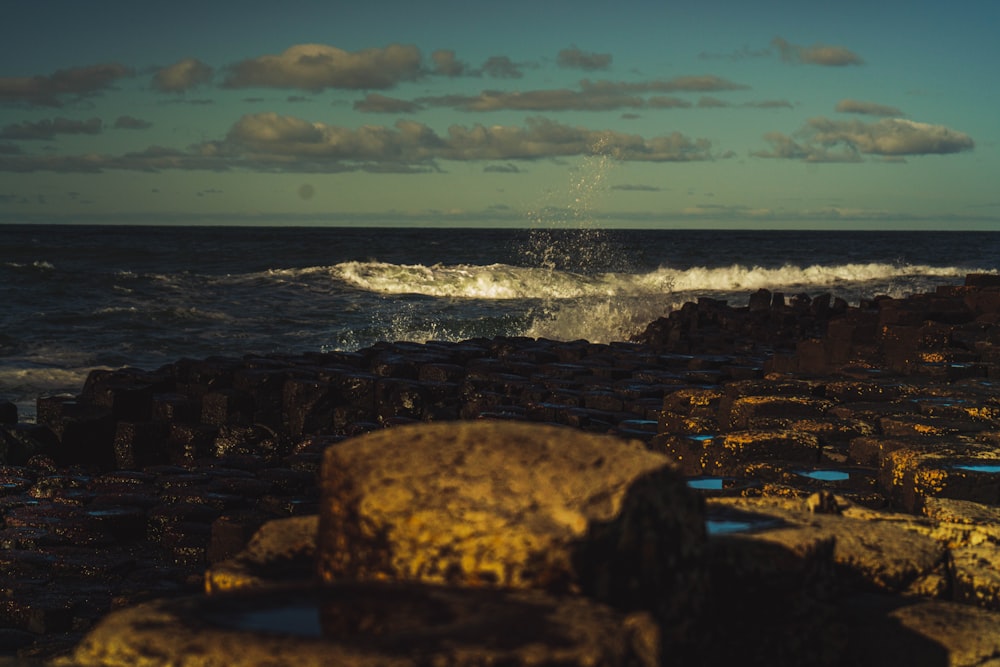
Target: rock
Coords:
[(369, 624), (920, 633), (513, 505), (281, 551)]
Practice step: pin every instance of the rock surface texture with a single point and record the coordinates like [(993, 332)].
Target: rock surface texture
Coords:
[(796, 481), (514, 505)]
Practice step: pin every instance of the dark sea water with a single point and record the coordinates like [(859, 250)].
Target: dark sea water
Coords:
[(76, 298)]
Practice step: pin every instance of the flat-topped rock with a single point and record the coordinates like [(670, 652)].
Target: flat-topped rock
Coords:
[(503, 504), (371, 625)]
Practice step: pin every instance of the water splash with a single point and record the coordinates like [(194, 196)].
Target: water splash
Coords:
[(565, 233)]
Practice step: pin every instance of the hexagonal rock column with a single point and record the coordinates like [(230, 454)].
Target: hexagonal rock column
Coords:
[(515, 505)]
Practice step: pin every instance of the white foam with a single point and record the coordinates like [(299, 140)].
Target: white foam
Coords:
[(502, 281)]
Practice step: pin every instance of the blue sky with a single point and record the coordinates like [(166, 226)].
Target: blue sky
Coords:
[(699, 114)]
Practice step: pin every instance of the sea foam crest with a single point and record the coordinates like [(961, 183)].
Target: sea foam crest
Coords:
[(503, 281)]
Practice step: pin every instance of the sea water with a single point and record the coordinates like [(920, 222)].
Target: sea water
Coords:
[(76, 298)]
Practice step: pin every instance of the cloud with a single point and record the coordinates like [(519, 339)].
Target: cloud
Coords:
[(769, 104), (661, 102), (681, 84), (182, 76), (502, 67), (537, 100), (375, 103), (47, 129), (706, 102), (740, 54), (824, 140), (818, 54), (868, 108), (592, 96), (131, 123), (576, 59), (446, 64), (629, 187), (272, 142), (315, 67), (192, 102), (508, 168), (50, 91)]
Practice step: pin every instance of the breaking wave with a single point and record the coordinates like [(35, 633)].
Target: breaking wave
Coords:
[(503, 281)]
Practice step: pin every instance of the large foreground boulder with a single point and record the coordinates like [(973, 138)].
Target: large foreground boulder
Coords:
[(514, 505)]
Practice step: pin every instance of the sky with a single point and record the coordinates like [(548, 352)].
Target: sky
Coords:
[(643, 114)]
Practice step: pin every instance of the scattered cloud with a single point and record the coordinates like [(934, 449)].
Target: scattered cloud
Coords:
[(316, 67), (770, 104), (192, 102), (681, 84), (502, 67), (446, 64), (508, 168), (47, 129), (661, 102), (271, 142), (53, 90), (630, 187), (574, 58), (741, 54), (182, 76), (824, 140), (592, 96), (131, 123), (867, 108), (537, 100), (817, 54), (706, 102), (376, 103)]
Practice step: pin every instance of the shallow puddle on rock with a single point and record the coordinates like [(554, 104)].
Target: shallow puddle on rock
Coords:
[(825, 475), (990, 468), (739, 523), (300, 619), (706, 483)]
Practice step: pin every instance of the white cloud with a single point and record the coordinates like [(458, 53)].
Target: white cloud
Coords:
[(182, 76), (825, 140), (315, 67)]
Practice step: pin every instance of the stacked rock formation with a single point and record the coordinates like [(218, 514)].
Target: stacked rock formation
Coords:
[(848, 458)]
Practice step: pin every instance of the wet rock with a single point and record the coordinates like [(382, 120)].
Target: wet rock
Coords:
[(513, 505)]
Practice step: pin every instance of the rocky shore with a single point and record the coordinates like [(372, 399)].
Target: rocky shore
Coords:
[(793, 481)]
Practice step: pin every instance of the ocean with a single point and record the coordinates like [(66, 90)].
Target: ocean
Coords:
[(76, 297)]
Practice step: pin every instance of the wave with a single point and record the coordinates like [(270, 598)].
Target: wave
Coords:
[(502, 281)]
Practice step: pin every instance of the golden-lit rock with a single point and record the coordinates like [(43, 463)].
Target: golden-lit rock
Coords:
[(281, 550), (515, 505)]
